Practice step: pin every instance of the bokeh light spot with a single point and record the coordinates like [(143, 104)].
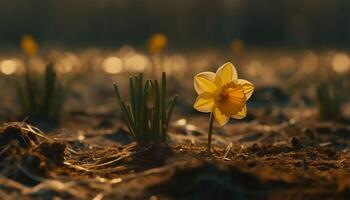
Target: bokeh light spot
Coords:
[(136, 63), (341, 63), (8, 67), (112, 65)]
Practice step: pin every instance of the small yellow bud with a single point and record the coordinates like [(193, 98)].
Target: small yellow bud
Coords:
[(28, 45), (237, 45), (157, 43)]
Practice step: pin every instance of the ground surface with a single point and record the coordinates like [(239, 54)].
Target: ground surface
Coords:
[(280, 151)]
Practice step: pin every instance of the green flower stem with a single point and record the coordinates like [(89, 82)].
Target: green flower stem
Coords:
[(211, 120)]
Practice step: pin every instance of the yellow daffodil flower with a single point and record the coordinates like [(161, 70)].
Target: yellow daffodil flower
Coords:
[(222, 94), (29, 45), (157, 43)]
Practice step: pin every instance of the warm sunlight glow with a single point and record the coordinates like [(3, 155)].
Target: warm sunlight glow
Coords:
[(126, 51), (175, 65), (254, 68), (37, 65), (136, 63), (68, 63), (309, 62), (287, 64), (8, 67), (341, 63), (112, 65)]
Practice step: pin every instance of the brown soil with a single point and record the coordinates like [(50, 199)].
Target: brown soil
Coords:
[(283, 162)]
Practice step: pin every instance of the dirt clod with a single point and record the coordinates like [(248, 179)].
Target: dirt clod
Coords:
[(17, 131), (53, 151)]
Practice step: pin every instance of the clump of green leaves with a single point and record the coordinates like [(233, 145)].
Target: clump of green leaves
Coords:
[(148, 113), (41, 96), (329, 100)]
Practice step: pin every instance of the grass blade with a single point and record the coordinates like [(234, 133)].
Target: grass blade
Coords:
[(147, 116)]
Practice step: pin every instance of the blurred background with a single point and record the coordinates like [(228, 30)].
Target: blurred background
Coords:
[(186, 23), (294, 51)]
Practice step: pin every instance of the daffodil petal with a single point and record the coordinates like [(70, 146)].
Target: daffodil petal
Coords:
[(220, 118), (204, 82), (248, 87), (204, 102), (241, 114), (225, 74)]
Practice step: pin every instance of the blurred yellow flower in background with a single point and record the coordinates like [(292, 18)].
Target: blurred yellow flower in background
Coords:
[(222, 94), (237, 45), (157, 43), (29, 45)]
